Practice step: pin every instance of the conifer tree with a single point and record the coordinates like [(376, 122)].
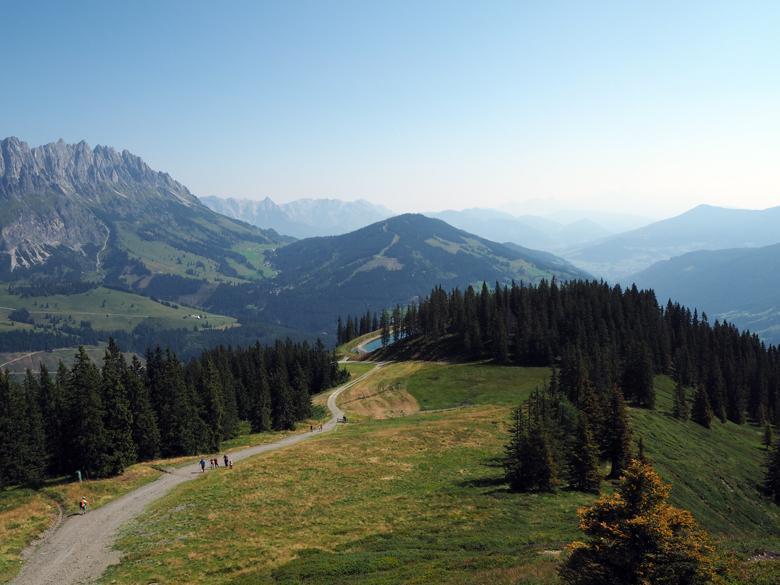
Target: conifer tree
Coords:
[(89, 450), (10, 431), (301, 398), (261, 410), (641, 455), (33, 456), (213, 406), (384, 324), (772, 478), (583, 460), (529, 464), (680, 405), (636, 537), (702, 411), (118, 415), (618, 434), (52, 405), (768, 435), (501, 340), (146, 433), (283, 408), (638, 377)]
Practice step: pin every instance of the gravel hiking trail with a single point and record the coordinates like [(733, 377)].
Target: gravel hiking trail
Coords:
[(81, 548)]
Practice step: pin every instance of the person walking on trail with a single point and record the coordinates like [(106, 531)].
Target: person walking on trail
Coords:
[(83, 505), (225, 458), (202, 465)]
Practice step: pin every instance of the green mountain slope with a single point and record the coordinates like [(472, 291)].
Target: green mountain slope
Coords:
[(740, 285), (389, 262)]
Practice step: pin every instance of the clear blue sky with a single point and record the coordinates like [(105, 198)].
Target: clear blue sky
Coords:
[(643, 106)]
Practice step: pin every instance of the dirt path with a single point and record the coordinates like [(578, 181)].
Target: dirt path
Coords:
[(81, 549)]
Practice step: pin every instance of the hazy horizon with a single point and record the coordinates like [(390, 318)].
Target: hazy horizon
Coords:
[(648, 110)]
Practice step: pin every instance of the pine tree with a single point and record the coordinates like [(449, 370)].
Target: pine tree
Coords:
[(529, 464), (301, 397), (384, 324), (10, 431), (772, 478), (33, 456), (52, 404), (637, 537), (90, 449), (618, 434), (146, 433), (118, 415), (702, 411), (500, 339), (583, 459), (768, 435), (213, 406), (638, 377), (261, 419), (283, 408), (680, 406)]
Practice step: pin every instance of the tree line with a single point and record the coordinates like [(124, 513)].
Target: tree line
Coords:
[(619, 336), (99, 420)]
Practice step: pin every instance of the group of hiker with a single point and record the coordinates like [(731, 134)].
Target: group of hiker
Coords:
[(214, 463)]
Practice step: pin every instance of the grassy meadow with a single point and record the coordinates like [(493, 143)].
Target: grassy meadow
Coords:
[(108, 310), (421, 499)]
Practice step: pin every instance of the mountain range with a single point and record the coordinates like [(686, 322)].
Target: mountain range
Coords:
[(75, 217), (302, 218), (74, 213), (705, 227)]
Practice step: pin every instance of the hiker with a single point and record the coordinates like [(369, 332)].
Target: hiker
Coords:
[(311, 428), (231, 464), (83, 504), (216, 463), (320, 426), (226, 460), (202, 465)]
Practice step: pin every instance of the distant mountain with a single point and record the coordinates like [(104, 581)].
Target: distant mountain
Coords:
[(388, 262), (563, 212), (71, 213), (741, 285), (527, 230), (302, 218), (702, 228)]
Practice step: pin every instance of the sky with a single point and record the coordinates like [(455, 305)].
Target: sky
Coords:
[(637, 107)]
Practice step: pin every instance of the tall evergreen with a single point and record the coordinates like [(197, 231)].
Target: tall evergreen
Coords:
[(583, 459), (680, 405), (618, 443), (118, 414), (146, 433), (52, 404), (283, 406), (769, 437), (89, 450), (301, 397), (33, 456), (638, 377), (772, 478), (702, 411), (213, 406)]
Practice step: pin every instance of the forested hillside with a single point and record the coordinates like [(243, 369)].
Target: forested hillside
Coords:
[(99, 420)]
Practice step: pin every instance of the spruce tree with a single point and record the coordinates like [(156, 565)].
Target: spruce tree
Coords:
[(261, 419), (33, 456), (772, 478), (680, 405), (52, 404), (583, 459), (638, 377), (213, 406), (283, 408), (529, 463), (768, 435), (90, 449), (384, 324), (701, 412), (301, 397), (11, 432), (118, 415), (146, 433), (618, 433)]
